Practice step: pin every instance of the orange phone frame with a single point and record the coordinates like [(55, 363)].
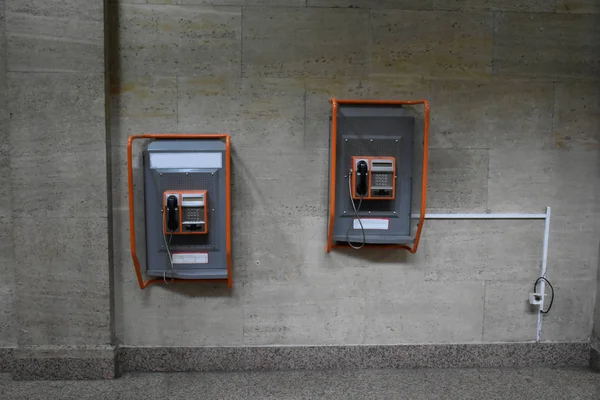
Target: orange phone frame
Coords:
[(369, 161), (136, 263), (180, 199), (333, 157)]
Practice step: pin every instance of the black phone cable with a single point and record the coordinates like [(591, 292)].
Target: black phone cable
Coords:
[(356, 210), (551, 298)]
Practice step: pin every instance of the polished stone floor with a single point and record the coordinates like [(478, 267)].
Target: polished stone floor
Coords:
[(526, 383)]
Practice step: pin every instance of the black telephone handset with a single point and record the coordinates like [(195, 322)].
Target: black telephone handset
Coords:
[(362, 170), (172, 223)]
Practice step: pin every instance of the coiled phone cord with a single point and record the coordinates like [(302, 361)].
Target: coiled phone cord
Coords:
[(356, 210), (170, 257)]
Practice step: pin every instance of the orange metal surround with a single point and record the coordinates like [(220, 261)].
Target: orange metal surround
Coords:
[(179, 193), (369, 160), (334, 109), (143, 284)]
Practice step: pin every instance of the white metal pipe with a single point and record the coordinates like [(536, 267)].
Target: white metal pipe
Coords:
[(482, 216), (545, 217), (538, 335)]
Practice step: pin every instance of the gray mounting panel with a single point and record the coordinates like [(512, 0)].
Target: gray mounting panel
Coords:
[(374, 130), (171, 170)]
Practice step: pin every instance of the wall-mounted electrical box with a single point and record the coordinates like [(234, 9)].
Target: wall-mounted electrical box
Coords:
[(187, 208), (378, 172)]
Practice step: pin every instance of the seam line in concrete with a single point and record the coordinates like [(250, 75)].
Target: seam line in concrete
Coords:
[(370, 45), (494, 25), (554, 97), (177, 80), (241, 41), (487, 182), (483, 316), (304, 139)]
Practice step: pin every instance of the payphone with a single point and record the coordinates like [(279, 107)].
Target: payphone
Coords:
[(187, 201), (378, 173)]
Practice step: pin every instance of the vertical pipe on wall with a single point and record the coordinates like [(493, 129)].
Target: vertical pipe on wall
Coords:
[(538, 335)]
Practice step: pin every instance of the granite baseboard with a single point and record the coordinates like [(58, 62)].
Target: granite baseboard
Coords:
[(6, 359), (185, 359), (64, 362), (594, 360), (595, 353), (104, 362)]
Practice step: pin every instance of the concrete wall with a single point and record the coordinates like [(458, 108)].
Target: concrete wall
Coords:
[(516, 119), (595, 339), (596, 331), (7, 323), (53, 176)]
